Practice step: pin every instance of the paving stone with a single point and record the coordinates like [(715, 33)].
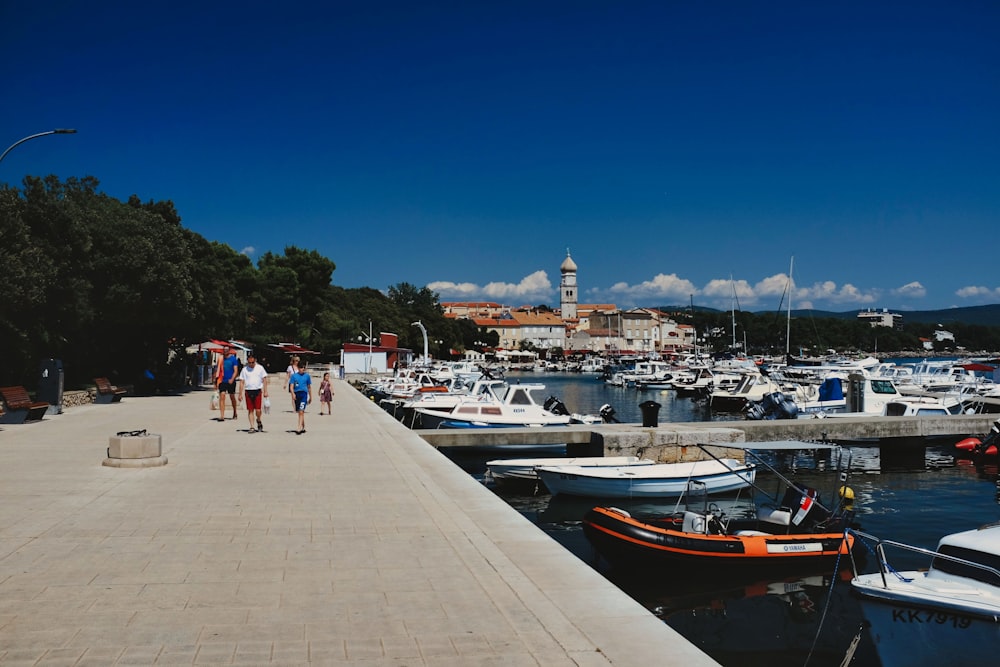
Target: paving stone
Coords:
[(354, 545)]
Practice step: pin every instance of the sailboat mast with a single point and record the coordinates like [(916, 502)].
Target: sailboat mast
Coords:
[(733, 309), (788, 323)]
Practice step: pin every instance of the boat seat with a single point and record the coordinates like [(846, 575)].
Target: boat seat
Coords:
[(780, 515), (694, 523)]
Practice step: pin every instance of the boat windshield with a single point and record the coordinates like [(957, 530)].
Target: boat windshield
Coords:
[(987, 576), (882, 387)]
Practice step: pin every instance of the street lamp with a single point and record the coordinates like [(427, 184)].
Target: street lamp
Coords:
[(368, 362), (423, 330), (34, 136)]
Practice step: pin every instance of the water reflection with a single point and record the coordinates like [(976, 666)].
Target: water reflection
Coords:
[(911, 492)]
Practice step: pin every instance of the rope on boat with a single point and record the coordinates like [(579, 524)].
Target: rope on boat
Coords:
[(829, 599), (884, 563)]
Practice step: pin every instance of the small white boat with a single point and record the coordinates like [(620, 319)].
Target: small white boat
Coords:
[(524, 469), (660, 480), (947, 614)]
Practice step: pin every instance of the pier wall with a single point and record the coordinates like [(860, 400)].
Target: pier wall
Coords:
[(675, 441)]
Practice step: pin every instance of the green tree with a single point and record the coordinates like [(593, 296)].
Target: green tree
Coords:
[(419, 303)]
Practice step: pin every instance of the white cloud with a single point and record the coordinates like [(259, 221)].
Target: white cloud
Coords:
[(661, 286), (249, 251), (772, 286), (724, 289), (535, 286), (671, 289), (828, 291), (975, 292), (468, 290), (912, 290)]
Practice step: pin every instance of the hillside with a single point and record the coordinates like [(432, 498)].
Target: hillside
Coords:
[(982, 315)]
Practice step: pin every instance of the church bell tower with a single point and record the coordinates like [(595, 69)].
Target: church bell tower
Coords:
[(567, 288)]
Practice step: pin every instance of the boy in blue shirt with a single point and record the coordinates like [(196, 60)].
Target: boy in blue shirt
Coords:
[(300, 384)]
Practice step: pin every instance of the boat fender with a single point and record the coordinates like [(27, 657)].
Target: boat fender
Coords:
[(846, 492), (968, 444)]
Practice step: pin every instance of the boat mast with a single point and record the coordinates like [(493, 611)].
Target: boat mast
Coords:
[(731, 282), (695, 330), (788, 323)]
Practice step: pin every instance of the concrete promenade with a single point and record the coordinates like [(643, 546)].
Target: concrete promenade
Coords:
[(355, 543)]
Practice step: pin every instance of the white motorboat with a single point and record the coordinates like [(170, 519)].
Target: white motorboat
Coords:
[(524, 469), (404, 409), (514, 406), (660, 480), (751, 388), (947, 614), (694, 380), (645, 372)]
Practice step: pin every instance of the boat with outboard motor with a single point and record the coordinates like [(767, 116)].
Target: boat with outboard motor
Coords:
[(945, 614), (791, 530), (498, 405), (443, 397)]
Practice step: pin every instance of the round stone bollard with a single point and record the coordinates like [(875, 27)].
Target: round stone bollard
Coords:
[(135, 449)]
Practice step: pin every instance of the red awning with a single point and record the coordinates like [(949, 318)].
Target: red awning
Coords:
[(978, 367), (292, 348)]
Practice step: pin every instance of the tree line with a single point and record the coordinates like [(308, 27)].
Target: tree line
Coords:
[(117, 288), (803, 334), (111, 288)]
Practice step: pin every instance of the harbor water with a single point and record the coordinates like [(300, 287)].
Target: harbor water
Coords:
[(910, 492)]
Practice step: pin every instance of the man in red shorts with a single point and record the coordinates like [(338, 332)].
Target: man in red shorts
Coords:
[(254, 379)]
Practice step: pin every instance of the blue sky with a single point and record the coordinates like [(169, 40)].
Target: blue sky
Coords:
[(675, 148)]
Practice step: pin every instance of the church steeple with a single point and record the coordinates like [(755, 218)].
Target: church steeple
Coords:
[(567, 288)]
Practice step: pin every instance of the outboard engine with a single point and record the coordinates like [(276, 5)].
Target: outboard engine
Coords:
[(608, 414), (773, 406), (807, 510), (991, 440), (555, 406), (787, 409)]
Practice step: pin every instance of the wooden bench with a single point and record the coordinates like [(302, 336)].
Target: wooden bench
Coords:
[(18, 406), (107, 392)]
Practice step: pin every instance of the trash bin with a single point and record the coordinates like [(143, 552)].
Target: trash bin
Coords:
[(50, 385), (650, 412)]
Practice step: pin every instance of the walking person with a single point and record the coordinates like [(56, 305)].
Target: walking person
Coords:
[(293, 367), (326, 394), (254, 379), (225, 381), (300, 385)]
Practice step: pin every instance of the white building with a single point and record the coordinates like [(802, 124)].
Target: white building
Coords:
[(881, 318)]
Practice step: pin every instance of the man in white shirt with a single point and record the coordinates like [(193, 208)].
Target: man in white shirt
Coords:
[(254, 379)]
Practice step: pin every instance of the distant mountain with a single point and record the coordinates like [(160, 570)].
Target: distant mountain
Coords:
[(983, 315)]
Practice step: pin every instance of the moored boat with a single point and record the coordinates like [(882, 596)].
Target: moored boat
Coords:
[(949, 613), (499, 405), (502, 470), (661, 480), (797, 531)]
